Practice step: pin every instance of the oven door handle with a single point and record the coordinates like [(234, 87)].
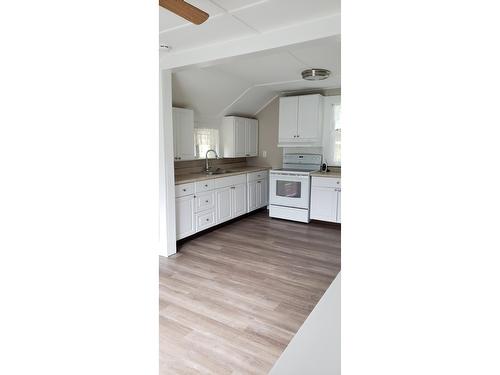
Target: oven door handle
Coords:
[(289, 174)]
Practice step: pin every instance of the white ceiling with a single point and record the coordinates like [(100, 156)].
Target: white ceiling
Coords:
[(234, 19), (245, 84)]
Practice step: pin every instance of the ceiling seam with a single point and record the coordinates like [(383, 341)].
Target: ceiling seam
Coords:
[(297, 59)]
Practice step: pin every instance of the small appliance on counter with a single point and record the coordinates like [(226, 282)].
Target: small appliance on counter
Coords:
[(290, 187)]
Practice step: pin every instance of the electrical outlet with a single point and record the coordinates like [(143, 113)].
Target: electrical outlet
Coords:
[(264, 154)]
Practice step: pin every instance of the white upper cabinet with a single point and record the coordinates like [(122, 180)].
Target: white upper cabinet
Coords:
[(300, 121), (288, 118), (239, 137), (251, 137), (183, 124)]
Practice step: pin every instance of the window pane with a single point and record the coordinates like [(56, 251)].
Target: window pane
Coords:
[(204, 140)]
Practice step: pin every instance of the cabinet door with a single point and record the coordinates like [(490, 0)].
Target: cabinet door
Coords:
[(184, 215), (175, 121), (251, 137), (262, 193), (338, 206), (183, 122), (324, 204), (239, 136), (288, 116), (252, 188), (309, 120), (224, 204), (239, 200)]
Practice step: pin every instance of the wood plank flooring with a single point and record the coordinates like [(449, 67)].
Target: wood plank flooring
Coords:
[(232, 299)]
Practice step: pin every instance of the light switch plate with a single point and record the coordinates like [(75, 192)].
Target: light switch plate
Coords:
[(264, 154)]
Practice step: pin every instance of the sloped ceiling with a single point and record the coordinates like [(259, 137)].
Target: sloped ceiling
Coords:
[(245, 84)]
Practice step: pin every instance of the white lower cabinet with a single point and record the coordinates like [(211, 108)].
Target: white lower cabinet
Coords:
[(257, 190), (263, 193), (231, 202), (205, 220), (202, 205), (185, 223), (325, 199), (257, 194), (224, 211), (338, 205), (252, 195), (239, 200)]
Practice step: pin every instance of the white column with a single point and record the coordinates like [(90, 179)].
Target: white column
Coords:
[(167, 244)]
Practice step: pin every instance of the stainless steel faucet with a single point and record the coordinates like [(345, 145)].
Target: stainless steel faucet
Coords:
[(207, 169)]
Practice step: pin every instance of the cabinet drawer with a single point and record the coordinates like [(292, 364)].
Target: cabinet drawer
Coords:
[(205, 220), (205, 201), (205, 185), (184, 189), (230, 181), (332, 182), (254, 176)]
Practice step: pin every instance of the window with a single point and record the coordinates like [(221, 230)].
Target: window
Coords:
[(204, 140)]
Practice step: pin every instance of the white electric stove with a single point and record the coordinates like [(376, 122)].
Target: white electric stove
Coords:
[(290, 187)]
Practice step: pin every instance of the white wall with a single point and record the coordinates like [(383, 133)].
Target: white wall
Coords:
[(167, 238)]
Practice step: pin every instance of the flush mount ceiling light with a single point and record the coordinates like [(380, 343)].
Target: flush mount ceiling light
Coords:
[(315, 74)]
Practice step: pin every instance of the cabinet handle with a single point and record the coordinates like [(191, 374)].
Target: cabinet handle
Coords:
[(259, 182), (206, 201), (183, 189), (206, 185), (208, 219), (338, 182)]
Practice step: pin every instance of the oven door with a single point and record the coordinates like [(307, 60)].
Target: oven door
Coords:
[(289, 190)]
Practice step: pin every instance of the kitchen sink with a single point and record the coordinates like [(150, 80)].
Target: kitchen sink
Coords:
[(219, 171)]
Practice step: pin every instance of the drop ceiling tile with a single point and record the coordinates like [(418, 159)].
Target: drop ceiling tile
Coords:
[(236, 4), (217, 29), (276, 14), (169, 20)]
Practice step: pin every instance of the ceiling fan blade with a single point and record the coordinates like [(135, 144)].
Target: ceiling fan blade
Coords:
[(185, 10)]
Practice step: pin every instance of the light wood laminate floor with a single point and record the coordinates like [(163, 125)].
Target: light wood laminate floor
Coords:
[(232, 299)]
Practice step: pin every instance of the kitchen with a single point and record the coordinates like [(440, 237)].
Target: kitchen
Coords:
[(255, 202), (215, 195)]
